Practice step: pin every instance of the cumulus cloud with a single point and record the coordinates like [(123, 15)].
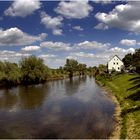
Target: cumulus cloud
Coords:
[(52, 60), (46, 56), (74, 9), (100, 57), (31, 48), (54, 23), (101, 26), (57, 46), (103, 1), (128, 42), (120, 51), (22, 8), (12, 56), (123, 16), (81, 55), (15, 36), (92, 45), (79, 28)]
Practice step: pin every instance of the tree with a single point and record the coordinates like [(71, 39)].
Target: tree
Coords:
[(92, 70), (12, 73), (128, 60), (136, 60), (102, 69), (82, 69), (71, 66), (9, 73), (2, 71), (33, 70)]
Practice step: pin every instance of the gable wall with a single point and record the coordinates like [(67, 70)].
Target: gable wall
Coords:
[(115, 63)]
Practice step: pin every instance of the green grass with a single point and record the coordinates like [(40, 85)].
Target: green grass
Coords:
[(119, 85)]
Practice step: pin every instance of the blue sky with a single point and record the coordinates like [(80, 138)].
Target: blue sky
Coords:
[(88, 31)]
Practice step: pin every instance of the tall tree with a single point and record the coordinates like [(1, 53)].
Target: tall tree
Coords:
[(71, 66), (82, 69), (102, 69), (128, 60), (12, 73), (136, 60), (2, 71), (33, 70)]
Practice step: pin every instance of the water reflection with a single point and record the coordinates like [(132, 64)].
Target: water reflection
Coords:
[(75, 108), (7, 98), (32, 97), (72, 85), (23, 97)]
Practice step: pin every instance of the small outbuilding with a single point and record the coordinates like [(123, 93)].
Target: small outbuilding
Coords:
[(115, 64)]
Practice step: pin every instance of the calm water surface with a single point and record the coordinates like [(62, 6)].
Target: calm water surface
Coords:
[(76, 108)]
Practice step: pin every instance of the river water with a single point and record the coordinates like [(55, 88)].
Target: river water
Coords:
[(76, 108)]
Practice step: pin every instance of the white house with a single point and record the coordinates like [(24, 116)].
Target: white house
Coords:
[(115, 64)]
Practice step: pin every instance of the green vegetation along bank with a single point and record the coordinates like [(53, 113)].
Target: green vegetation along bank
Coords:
[(126, 88), (32, 70)]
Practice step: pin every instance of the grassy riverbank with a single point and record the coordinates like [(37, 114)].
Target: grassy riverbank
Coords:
[(129, 103)]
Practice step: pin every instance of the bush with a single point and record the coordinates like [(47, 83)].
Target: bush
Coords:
[(33, 70)]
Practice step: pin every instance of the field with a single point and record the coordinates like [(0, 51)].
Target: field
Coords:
[(129, 101)]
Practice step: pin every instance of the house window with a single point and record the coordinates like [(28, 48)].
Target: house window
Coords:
[(114, 63), (118, 68), (117, 63)]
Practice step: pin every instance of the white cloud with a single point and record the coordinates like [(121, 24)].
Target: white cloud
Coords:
[(128, 42), (101, 26), (12, 56), (81, 54), (15, 36), (46, 56), (31, 48), (74, 9), (121, 51), (57, 46), (54, 23), (92, 45), (123, 16), (52, 60), (101, 57), (103, 1), (79, 28), (22, 8)]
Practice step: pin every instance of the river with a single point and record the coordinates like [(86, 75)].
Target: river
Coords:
[(76, 108)]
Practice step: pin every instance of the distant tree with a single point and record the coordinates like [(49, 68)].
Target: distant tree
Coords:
[(12, 73), (92, 70), (81, 69), (128, 60), (136, 60), (2, 71), (102, 69), (71, 66), (9, 73), (33, 70)]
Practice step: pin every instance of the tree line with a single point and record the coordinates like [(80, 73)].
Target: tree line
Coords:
[(32, 70), (132, 61)]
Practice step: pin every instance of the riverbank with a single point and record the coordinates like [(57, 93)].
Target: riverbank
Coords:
[(129, 113), (51, 78), (117, 114)]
